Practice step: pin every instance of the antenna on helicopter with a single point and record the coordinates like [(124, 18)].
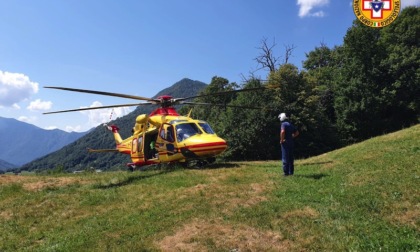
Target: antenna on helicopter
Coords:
[(189, 113)]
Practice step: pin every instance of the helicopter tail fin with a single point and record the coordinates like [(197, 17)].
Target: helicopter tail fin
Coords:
[(114, 129)]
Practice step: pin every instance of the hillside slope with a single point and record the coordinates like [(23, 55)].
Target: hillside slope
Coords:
[(21, 142), (75, 156), (364, 197), (4, 166)]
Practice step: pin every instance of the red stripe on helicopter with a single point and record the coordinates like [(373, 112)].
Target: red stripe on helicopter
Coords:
[(211, 149), (200, 148), (218, 144)]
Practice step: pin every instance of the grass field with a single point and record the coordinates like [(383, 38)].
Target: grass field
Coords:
[(364, 197)]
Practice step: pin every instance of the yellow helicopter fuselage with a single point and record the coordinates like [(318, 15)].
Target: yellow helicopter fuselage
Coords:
[(168, 137)]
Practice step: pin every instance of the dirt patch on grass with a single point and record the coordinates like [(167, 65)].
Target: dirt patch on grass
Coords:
[(13, 179), (247, 197), (407, 214), (50, 183), (6, 215), (228, 198), (200, 235), (228, 190), (32, 183), (306, 212), (257, 194), (410, 217)]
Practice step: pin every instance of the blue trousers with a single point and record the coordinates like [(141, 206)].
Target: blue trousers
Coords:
[(287, 158)]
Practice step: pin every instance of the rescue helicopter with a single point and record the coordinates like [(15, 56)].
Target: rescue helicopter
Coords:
[(164, 136)]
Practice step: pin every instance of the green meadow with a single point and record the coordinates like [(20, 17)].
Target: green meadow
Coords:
[(364, 197)]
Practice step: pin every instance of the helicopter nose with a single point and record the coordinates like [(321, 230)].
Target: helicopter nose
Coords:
[(211, 147)]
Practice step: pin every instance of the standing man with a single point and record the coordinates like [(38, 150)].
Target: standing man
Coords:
[(287, 133)]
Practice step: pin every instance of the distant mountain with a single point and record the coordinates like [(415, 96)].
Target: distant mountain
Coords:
[(183, 88), (4, 166), (22, 142), (75, 156)]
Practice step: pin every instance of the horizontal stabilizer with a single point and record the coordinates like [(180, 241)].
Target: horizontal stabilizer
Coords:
[(102, 150)]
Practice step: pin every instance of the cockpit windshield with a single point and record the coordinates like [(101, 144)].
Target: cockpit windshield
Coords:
[(206, 127), (186, 130)]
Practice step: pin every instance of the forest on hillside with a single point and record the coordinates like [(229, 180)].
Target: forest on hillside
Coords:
[(368, 86)]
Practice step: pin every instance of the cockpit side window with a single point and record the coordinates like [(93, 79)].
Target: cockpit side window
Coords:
[(186, 130), (206, 127), (166, 132)]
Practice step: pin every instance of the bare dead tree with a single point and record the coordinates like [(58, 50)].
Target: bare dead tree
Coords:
[(288, 52), (266, 59)]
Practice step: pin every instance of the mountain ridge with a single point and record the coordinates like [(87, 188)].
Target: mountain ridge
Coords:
[(25, 142), (4, 166)]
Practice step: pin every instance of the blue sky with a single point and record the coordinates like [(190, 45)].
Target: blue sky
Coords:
[(141, 47)]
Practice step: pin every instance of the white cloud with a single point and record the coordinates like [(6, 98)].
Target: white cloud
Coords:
[(39, 105), (307, 5), (23, 119), (100, 116), (26, 119), (76, 128), (15, 87), (51, 128), (318, 14), (405, 3)]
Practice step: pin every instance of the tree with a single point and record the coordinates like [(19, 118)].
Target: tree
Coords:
[(356, 101), (266, 58), (215, 114), (297, 97), (378, 87), (401, 40), (323, 67), (252, 133)]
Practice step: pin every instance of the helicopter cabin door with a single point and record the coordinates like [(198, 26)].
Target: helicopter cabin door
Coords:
[(166, 143), (149, 145), (137, 153)]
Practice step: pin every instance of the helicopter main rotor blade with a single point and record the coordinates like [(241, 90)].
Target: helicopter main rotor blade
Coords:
[(106, 93), (226, 92), (101, 107), (224, 105)]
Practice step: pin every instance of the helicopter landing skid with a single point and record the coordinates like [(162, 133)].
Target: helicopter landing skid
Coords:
[(131, 167), (199, 163)]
